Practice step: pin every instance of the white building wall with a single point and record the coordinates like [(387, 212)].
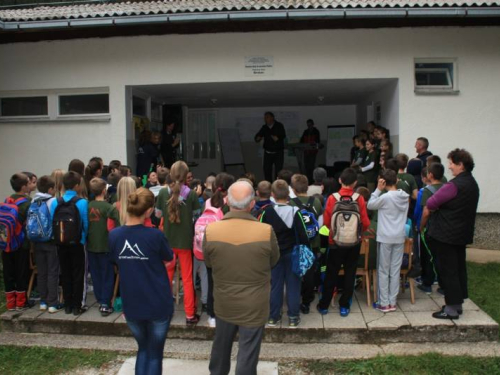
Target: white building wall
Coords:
[(469, 119)]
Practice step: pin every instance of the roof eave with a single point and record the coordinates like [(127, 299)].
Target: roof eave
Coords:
[(239, 16)]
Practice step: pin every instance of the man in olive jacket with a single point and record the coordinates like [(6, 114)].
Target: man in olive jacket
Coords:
[(241, 252)]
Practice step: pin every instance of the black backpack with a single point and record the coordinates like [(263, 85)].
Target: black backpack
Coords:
[(67, 224)]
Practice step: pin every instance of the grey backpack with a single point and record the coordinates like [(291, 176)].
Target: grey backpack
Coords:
[(346, 221)]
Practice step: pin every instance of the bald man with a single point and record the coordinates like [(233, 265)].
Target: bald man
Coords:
[(241, 252)]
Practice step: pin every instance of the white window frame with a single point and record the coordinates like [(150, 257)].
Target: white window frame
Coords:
[(24, 118), (80, 115), (53, 106), (435, 89)]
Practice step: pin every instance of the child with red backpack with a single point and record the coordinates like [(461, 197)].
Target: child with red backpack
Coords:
[(214, 210), (14, 245), (346, 216), (70, 227)]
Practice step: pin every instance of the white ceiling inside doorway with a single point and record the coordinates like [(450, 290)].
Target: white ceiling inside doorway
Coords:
[(267, 93)]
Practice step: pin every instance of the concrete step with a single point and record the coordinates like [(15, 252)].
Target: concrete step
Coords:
[(273, 352), (411, 323)]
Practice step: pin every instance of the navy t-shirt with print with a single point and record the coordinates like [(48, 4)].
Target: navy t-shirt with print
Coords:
[(145, 289)]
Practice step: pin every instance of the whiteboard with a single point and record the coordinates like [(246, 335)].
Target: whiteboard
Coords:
[(339, 143), (229, 139)]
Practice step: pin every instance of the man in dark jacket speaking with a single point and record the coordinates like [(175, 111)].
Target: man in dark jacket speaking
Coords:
[(273, 133)]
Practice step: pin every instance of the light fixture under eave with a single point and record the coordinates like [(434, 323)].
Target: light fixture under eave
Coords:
[(321, 99), (213, 101)]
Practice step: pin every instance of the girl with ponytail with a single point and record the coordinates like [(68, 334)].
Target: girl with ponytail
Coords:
[(140, 252), (179, 208)]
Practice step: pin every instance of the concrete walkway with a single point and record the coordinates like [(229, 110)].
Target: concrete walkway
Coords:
[(483, 256), (271, 352), (195, 367)]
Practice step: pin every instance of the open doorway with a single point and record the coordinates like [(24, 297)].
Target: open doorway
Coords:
[(207, 107)]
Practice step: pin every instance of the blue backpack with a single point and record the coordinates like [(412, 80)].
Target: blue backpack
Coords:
[(302, 259), (308, 216), (39, 223)]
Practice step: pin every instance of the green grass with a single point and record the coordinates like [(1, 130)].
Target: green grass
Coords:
[(425, 364), (39, 361), (484, 287)]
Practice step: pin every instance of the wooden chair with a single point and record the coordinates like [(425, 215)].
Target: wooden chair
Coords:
[(364, 271), (34, 271), (408, 249)]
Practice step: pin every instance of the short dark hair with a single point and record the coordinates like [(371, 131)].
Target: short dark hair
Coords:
[(29, 174), (97, 159), (18, 180), (269, 114), (433, 159), (138, 181), (285, 174), (319, 174), (45, 183), (310, 121), (114, 178), (114, 164), (124, 169), (300, 183), (364, 192), (392, 165), (423, 173), (348, 176), (390, 177), (162, 175), (460, 155), (78, 166), (425, 141), (437, 170), (402, 161), (71, 179)]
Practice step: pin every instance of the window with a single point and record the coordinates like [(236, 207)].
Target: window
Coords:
[(436, 76), (86, 104), (156, 112), (24, 106), (139, 106)]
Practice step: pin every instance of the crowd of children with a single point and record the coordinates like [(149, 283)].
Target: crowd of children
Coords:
[(69, 219)]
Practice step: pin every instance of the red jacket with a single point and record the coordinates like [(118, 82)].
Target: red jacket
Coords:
[(330, 204)]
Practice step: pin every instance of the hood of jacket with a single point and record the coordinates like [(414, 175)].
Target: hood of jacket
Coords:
[(39, 195), (286, 213), (401, 199)]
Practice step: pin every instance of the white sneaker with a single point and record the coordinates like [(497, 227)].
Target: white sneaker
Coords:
[(56, 308), (211, 322), (43, 307)]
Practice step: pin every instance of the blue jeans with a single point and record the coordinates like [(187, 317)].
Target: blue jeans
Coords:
[(103, 276), (282, 275), (150, 336)]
